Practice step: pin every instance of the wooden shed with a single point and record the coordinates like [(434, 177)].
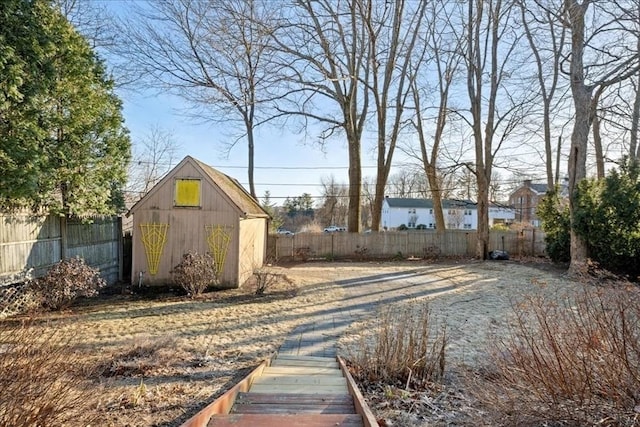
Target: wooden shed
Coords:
[(197, 208)]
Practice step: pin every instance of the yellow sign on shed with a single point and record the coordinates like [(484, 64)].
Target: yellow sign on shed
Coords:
[(187, 192)]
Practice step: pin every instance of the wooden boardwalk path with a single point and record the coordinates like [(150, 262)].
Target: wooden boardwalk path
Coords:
[(290, 391)]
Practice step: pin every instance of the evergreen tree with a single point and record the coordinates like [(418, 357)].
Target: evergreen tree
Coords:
[(26, 75), (63, 145)]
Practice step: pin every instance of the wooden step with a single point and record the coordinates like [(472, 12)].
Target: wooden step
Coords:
[(301, 379), (285, 420), (300, 370), (280, 398), (307, 358), (299, 388), (291, 408), (309, 363)]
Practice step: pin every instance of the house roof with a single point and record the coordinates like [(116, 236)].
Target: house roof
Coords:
[(539, 188), (228, 185), (394, 202), (543, 188), (428, 203), (236, 192), (458, 204)]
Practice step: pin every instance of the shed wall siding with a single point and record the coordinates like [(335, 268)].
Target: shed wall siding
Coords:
[(186, 232), (162, 197), (252, 252)]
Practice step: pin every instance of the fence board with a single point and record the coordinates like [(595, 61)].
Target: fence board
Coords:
[(414, 243), (31, 244)]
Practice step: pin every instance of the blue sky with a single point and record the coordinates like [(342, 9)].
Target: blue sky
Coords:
[(286, 164), (284, 161)]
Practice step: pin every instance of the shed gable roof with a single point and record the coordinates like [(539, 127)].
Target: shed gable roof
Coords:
[(236, 194)]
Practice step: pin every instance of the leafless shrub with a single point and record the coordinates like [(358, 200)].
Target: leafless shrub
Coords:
[(302, 254), (403, 349), (195, 273), (65, 281), (41, 377), (568, 361), (431, 252), (264, 280), (361, 252)]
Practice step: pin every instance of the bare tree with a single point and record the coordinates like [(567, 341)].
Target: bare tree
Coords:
[(612, 64), (491, 43), (212, 54), (368, 195), (153, 157), (92, 19), (408, 182), (465, 183), (443, 44), (323, 47), (333, 206), (546, 39), (393, 30), (631, 13)]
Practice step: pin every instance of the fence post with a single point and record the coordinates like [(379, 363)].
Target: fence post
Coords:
[(63, 237), (521, 243), (120, 248), (406, 243), (293, 248), (533, 242), (332, 245)]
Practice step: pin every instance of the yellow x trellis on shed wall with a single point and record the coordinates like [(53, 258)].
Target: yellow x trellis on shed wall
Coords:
[(218, 239), (154, 237)]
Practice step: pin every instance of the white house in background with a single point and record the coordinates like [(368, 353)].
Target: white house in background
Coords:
[(418, 213), (458, 214)]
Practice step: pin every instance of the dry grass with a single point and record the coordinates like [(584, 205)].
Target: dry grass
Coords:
[(148, 361), (42, 377), (569, 360), (156, 362)]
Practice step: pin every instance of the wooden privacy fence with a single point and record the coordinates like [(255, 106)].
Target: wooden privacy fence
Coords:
[(31, 244), (414, 243)]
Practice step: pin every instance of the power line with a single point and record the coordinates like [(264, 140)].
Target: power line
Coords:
[(144, 162)]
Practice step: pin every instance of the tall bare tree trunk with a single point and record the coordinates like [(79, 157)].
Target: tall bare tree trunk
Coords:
[(430, 159), (355, 176), (392, 65), (478, 57), (634, 149), (597, 137), (250, 161), (580, 135), (323, 50)]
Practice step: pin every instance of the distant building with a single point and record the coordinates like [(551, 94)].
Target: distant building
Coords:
[(458, 214), (525, 200)]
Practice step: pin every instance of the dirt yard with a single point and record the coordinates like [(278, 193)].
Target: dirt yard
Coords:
[(155, 362)]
